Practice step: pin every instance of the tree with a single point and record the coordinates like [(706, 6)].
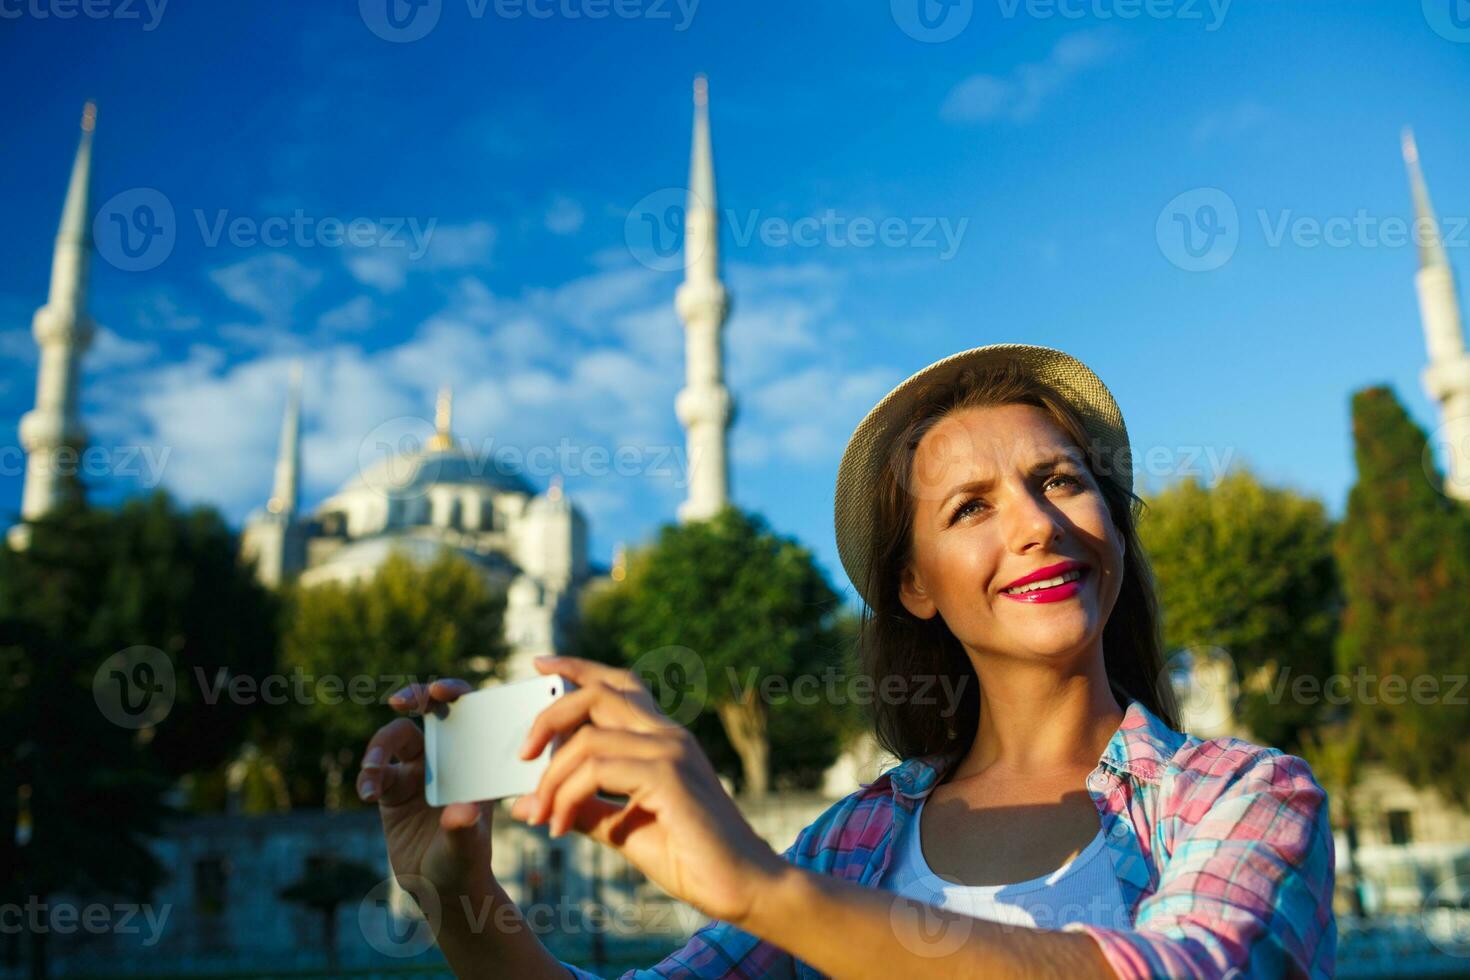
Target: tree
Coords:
[(347, 647), (745, 609), (81, 779), (1404, 550), (326, 884), (175, 582), (1249, 568)]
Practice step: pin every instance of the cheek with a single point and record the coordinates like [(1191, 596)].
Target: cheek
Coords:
[(1092, 520), (962, 563)]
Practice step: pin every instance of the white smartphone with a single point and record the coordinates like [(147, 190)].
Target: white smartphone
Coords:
[(472, 753)]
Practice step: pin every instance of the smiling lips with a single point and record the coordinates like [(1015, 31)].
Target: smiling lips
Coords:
[(1052, 584)]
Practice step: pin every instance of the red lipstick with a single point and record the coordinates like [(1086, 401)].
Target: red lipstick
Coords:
[(1055, 593)]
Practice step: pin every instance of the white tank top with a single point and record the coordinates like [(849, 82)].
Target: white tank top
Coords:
[(1084, 889)]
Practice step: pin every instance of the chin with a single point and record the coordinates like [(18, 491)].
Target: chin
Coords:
[(1042, 642)]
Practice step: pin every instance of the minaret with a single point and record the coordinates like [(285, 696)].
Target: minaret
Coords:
[(442, 438), (275, 539), (51, 433), (285, 498), (1447, 377), (704, 406)]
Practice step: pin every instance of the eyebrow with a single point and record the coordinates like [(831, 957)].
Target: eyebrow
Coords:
[(982, 485)]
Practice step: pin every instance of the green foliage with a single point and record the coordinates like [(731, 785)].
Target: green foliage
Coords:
[(1404, 549), (349, 647), (752, 605), (92, 583), (175, 582), (1249, 568)]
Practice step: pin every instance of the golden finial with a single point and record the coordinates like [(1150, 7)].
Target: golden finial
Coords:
[(701, 91), (89, 116), (443, 411), (620, 563), (1411, 149), (553, 492)]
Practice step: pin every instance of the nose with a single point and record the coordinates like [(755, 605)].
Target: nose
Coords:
[(1031, 521)]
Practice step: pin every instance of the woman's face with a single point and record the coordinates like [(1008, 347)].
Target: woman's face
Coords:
[(971, 541)]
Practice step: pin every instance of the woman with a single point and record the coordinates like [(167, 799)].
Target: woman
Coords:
[(1054, 823)]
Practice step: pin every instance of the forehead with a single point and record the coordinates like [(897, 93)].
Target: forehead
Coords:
[(986, 443)]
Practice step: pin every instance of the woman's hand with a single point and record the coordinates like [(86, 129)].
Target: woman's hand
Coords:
[(446, 848), (679, 826)]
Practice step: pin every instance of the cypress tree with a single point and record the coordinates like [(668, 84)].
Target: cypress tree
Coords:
[(1404, 554)]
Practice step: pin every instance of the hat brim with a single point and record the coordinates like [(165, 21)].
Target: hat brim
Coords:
[(869, 449)]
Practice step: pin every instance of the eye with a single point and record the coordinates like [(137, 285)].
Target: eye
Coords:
[(964, 508)]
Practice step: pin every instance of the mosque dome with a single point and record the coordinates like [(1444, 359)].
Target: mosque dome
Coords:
[(442, 459), (409, 474)]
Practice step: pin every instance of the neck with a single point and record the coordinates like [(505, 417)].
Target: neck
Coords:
[(1037, 719)]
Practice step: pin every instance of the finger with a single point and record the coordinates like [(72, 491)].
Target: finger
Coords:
[(587, 671), (576, 804), (596, 702), (591, 742), (399, 739), (420, 699), (447, 689)]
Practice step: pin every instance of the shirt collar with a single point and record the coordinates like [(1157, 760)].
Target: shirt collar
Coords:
[(1142, 746)]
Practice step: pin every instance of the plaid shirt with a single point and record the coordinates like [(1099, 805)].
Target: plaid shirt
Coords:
[(1222, 850)]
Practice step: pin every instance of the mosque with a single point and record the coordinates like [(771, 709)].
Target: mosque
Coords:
[(528, 542)]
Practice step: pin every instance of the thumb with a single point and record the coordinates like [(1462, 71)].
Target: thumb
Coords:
[(466, 827)]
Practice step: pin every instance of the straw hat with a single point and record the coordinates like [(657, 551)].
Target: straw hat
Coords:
[(869, 449)]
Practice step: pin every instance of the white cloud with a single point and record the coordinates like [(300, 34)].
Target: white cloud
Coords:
[(353, 316), (594, 362), (564, 216), (271, 284), (1021, 94), (110, 352), (420, 247), (458, 246), (377, 269), (159, 310), (809, 414)]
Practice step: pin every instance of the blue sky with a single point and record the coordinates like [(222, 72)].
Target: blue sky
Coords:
[(1027, 158)]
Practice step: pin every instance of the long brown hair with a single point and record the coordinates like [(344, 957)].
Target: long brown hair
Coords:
[(894, 642)]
